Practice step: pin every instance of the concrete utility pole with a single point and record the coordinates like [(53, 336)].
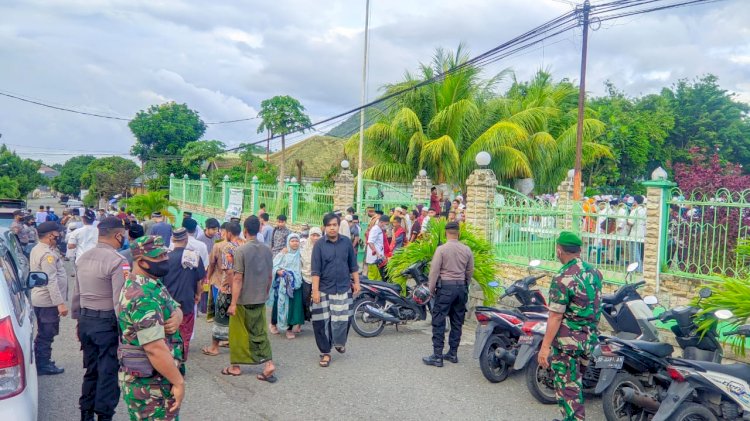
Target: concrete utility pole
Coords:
[(360, 166), (581, 103)]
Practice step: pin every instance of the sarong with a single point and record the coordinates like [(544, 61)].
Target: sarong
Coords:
[(331, 319), (220, 329), (248, 335)]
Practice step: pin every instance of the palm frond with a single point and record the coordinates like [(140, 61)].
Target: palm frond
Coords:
[(441, 154)]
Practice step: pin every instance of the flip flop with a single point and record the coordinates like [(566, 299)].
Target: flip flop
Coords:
[(225, 371), (209, 353), (325, 360), (340, 349), (273, 329), (266, 378), (290, 334)]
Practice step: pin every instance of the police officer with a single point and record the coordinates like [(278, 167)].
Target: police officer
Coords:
[(49, 300), (101, 272), (150, 355), (574, 310), (451, 271)]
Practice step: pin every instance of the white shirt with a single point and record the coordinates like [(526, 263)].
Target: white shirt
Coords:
[(425, 221), (197, 246), (638, 231), (41, 216), (376, 239), (344, 229), (84, 239)]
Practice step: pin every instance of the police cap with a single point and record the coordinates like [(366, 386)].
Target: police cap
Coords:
[(110, 222), (47, 227), (568, 238)]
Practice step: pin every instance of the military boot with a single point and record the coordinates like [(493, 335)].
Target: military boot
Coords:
[(434, 359)]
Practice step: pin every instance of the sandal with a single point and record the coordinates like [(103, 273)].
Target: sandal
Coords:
[(273, 329), (340, 349), (290, 334), (297, 329), (226, 371), (270, 378), (209, 353), (325, 360)]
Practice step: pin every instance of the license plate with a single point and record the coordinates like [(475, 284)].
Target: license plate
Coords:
[(526, 340), (603, 361)]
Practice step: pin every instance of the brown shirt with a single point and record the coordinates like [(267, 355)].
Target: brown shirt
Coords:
[(100, 275), (453, 262), (214, 264), (46, 259), (255, 262)]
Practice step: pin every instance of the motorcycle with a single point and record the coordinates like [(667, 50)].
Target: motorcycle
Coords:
[(707, 391), (496, 343), (380, 303), (625, 311), (633, 372)]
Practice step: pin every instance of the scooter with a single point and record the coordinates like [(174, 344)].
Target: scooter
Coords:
[(380, 303), (633, 373), (627, 314), (707, 391), (496, 343)]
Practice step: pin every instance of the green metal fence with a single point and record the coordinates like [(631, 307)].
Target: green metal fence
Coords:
[(703, 230), (193, 192), (175, 189), (526, 229), (313, 203), (383, 196), (275, 197)]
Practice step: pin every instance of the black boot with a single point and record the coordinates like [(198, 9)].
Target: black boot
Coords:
[(87, 416), (451, 356), (48, 369), (101, 417), (434, 359)]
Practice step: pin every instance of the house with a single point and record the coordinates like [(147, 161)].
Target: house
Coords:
[(48, 172)]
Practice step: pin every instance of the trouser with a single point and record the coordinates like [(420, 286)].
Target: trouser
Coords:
[(636, 254), (450, 301), (331, 320), (569, 369), (147, 398), (186, 332), (48, 326), (307, 300), (99, 338)]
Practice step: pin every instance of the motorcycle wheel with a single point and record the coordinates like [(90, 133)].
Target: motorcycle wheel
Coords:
[(615, 407), (693, 412), (494, 369), (540, 382), (364, 324)]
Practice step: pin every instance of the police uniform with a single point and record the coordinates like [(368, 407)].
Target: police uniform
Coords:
[(46, 299), (101, 273), (451, 270), (143, 307), (575, 292)]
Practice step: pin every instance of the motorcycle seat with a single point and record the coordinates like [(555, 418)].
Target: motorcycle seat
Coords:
[(659, 349), (739, 370), (395, 287), (609, 298)]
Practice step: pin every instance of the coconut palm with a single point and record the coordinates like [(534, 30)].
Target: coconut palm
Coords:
[(143, 205), (442, 126)]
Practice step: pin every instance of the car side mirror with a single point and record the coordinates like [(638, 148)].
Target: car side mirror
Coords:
[(36, 279)]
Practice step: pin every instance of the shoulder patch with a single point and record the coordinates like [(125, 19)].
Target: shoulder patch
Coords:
[(126, 269), (50, 258)]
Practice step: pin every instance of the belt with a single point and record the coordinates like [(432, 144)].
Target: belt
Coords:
[(453, 281), (99, 314)]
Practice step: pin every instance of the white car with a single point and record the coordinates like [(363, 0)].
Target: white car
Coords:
[(18, 378)]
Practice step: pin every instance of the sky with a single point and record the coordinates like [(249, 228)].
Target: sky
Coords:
[(222, 58)]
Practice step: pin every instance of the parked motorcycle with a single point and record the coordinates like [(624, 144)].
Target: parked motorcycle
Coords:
[(380, 303), (496, 343), (707, 391), (627, 314), (633, 373)]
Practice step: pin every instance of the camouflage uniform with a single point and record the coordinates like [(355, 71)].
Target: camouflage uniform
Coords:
[(576, 293), (144, 306)]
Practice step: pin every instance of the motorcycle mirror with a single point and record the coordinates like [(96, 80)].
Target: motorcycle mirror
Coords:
[(705, 292), (723, 314), (535, 263), (650, 300), (632, 267), (493, 284)]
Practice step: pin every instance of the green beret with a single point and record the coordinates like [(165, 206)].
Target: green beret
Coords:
[(568, 238)]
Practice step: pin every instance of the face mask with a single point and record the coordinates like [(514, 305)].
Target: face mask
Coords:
[(121, 242), (157, 269)]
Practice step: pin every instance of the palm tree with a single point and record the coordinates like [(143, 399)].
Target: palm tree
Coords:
[(441, 127), (143, 205)]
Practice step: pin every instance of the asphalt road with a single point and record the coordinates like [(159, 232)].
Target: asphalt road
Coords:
[(377, 379)]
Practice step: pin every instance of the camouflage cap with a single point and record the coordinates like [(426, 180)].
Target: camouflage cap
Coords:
[(148, 246), (568, 238)]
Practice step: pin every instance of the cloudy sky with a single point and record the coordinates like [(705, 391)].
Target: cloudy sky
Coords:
[(223, 57)]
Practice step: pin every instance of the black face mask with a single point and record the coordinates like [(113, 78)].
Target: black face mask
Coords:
[(157, 269), (121, 242)]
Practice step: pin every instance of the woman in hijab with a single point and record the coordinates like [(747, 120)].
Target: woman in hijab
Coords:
[(286, 290)]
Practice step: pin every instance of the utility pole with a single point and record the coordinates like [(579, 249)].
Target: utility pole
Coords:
[(581, 103), (360, 169)]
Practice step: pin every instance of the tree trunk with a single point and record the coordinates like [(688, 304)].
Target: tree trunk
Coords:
[(247, 168), (283, 159)]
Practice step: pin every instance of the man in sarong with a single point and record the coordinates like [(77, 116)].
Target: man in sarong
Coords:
[(248, 332), (335, 280)]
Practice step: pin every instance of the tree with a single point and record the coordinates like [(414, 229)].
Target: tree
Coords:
[(9, 188), (161, 132), (109, 176), (24, 172), (69, 180), (143, 205), (194, 154), (282, 115), (264, 170), (441, 127)]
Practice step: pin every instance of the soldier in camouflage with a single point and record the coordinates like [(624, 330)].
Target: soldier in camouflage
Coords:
[(149, 376), (574, 310)]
